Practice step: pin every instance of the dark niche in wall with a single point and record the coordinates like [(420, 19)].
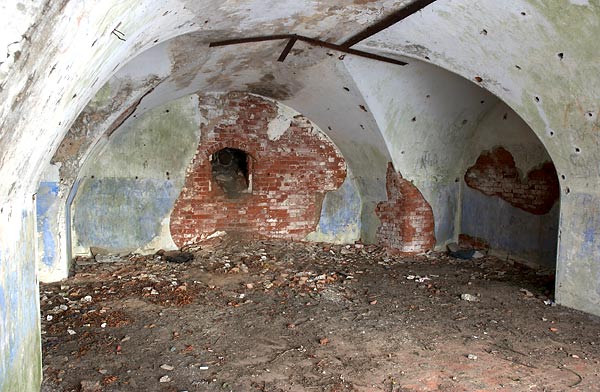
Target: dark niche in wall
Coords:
[(231, 170)]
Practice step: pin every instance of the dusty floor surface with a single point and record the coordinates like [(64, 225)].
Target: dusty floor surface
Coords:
[(281, 316)]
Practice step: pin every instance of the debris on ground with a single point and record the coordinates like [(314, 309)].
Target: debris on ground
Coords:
[(288, 316), (176, 256), (464, 253), (469, 297)]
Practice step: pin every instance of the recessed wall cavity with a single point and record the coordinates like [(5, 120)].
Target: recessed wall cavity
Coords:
[(510, 192), (221, 162), (256, 172), (231, 170)]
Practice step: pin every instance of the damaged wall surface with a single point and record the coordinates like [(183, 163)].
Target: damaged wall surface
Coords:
[(536, 56), (406, 218), (128, 189), (514, 184), (148, 188), (291, 165)]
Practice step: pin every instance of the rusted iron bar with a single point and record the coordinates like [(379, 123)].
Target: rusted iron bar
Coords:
[(355, 52), (246, 40), (312, 41), (386, 22), (287, 49)]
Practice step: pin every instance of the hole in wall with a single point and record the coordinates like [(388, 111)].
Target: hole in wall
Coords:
[(561, 55), (231, 170), (537, 99), (577, 150)]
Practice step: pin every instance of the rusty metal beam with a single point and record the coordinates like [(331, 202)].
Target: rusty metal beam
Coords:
[(311, 41), (355, 52), (386, 22), (287, 49), (261, 38)]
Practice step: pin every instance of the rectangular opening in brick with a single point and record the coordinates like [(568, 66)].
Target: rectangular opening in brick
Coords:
[(230, 169)]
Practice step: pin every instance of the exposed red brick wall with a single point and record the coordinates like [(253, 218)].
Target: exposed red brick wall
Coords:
[(495, 174), (290, 175), (468, 242), (407, 224)]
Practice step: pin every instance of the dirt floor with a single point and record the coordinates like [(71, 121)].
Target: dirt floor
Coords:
[(283, 316)]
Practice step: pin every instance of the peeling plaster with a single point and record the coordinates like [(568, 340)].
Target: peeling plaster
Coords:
[(58, 72)]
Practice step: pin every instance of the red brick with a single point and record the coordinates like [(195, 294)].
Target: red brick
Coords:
[(496, 174), (295, 168), (407, 224)]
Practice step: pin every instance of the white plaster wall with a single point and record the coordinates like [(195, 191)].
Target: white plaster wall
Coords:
[(427, 117), (148, 155), (512, 133), (517, 60), (512, 233), (74, 53), (55, 271), (332, 100)]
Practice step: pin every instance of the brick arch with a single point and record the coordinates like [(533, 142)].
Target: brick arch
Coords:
[(213, 147), (290, 174)]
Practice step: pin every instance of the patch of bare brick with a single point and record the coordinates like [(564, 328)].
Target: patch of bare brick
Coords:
[(496, 174), (287, 174), (407, 223)]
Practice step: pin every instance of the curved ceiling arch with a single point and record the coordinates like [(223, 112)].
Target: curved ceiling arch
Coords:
[(540, 57), (524, 53)]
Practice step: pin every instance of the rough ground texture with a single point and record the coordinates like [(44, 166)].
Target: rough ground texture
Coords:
[(284, 316)]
